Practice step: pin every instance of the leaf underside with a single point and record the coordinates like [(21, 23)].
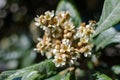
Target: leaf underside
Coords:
[(110, 16), (107, 37)]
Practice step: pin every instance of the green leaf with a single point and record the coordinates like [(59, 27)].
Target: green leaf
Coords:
[(30, 76), (60, 77), (67, 5), (116, 69), (17, 74), (56, 77), (5, 74), (46, 68), (43, 67), (102, 76), (110, 15), (66, 77), (107, 37)]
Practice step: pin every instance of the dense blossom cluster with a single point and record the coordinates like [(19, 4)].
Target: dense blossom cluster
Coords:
[(61, 40)]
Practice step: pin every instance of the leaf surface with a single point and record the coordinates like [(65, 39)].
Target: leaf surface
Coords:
[(110, 16)]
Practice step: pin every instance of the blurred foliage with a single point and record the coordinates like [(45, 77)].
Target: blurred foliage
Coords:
[(16, 52), (101, 76), (116, 69)]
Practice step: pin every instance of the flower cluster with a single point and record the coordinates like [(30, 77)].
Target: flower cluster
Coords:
[(61, 40)]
